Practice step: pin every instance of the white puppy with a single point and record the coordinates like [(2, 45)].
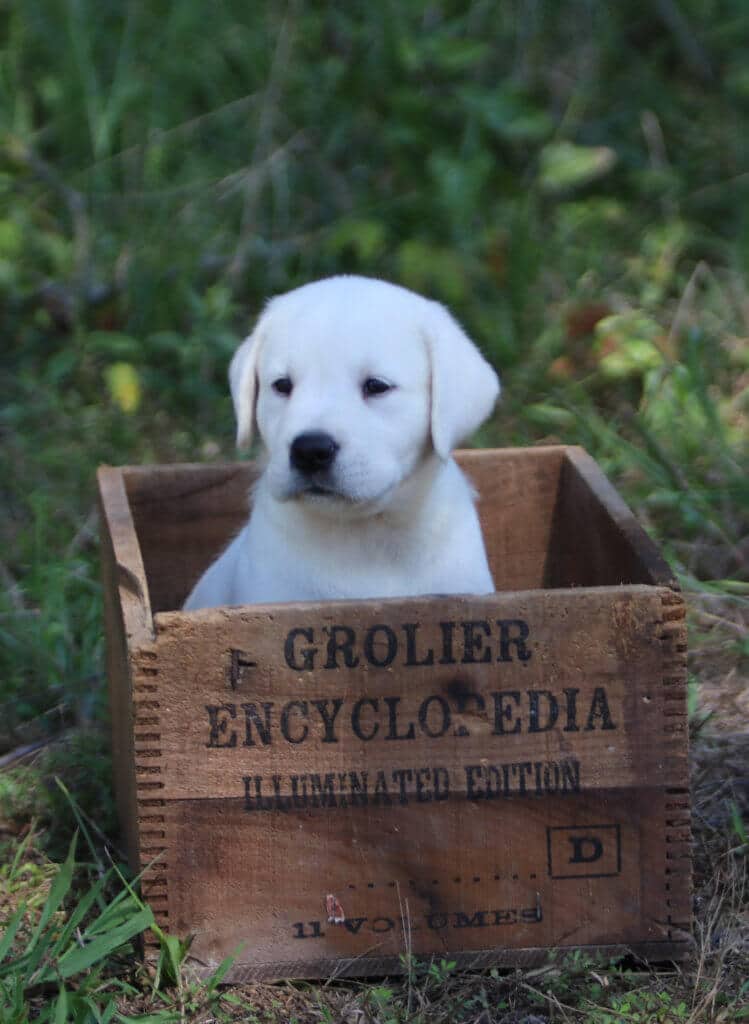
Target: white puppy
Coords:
[(360, 390)]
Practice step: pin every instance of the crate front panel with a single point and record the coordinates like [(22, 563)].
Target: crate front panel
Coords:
[(506, 874), (500, 772)]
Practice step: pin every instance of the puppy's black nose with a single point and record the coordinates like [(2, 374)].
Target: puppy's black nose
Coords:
[(313, 451)]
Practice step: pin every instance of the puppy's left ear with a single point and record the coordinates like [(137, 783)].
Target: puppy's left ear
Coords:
[(243, 383), (464, 385)]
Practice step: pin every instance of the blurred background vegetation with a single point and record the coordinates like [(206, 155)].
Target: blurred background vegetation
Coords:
[(571, 178)]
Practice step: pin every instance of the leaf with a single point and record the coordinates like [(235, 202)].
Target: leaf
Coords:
[(627, 345), (549, 416), (738, 824), (79, 913), (461, 182), (114, 345), (173, 952), (507, 113), (433, 269), (220, 973), (367, 239), (11, 239), (82, 827), (80, 958), (124, 385), (109, 1011), (57, 893), (9, 935), (635, 359), (61, 366), (565, 165), (115, 913), (61, 1006)]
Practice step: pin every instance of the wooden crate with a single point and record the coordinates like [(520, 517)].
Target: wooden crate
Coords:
[(475, 777)]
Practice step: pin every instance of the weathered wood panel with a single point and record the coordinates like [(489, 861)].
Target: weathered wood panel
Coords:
[(273, 691), (462, 877)]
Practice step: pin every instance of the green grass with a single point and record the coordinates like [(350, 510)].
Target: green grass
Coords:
[(571, 178), (57, 968)]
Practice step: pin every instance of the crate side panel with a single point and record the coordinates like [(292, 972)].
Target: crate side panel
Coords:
[(517, 491), (184, 517), (595, 539), (129, 627), (132, 664), (127, 576), (152, 819), (676, 737), (120, 702)]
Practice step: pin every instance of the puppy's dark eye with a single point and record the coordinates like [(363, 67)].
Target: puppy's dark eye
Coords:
[(375, 386), (282, 386)]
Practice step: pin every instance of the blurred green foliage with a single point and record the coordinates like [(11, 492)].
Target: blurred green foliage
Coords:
[(571, 178)]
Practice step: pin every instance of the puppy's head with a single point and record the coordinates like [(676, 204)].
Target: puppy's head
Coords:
[(352, 382)]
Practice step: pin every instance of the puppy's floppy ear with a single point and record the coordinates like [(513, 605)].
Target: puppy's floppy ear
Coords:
[(464, 385), (243, 382)]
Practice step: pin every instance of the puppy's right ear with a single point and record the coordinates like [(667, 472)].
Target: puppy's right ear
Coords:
[(243, 383)]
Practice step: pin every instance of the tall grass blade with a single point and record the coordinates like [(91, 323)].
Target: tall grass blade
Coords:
[(6, 942), (58, 891), (81, 823), (220, 973), (79, 913), (97, 949), (61, 1006)]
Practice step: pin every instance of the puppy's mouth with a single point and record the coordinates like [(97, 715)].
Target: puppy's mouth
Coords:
[(326, 499), (301, 490), (319, 491), (327, 495)]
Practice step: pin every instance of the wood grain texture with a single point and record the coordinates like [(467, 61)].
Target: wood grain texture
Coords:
[(595, 539), (129, 627), (517, 491), (125, 559), (184, 517), (443, 880), (584, 682), (480, 778)]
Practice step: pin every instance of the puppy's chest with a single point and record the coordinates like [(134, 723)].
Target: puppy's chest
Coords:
[(390, 556), (355, 565)]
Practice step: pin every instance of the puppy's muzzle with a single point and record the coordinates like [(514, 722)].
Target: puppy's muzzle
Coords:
[(313, 452)]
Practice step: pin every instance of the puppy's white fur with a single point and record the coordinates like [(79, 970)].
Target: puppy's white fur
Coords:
[(392, 515)]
